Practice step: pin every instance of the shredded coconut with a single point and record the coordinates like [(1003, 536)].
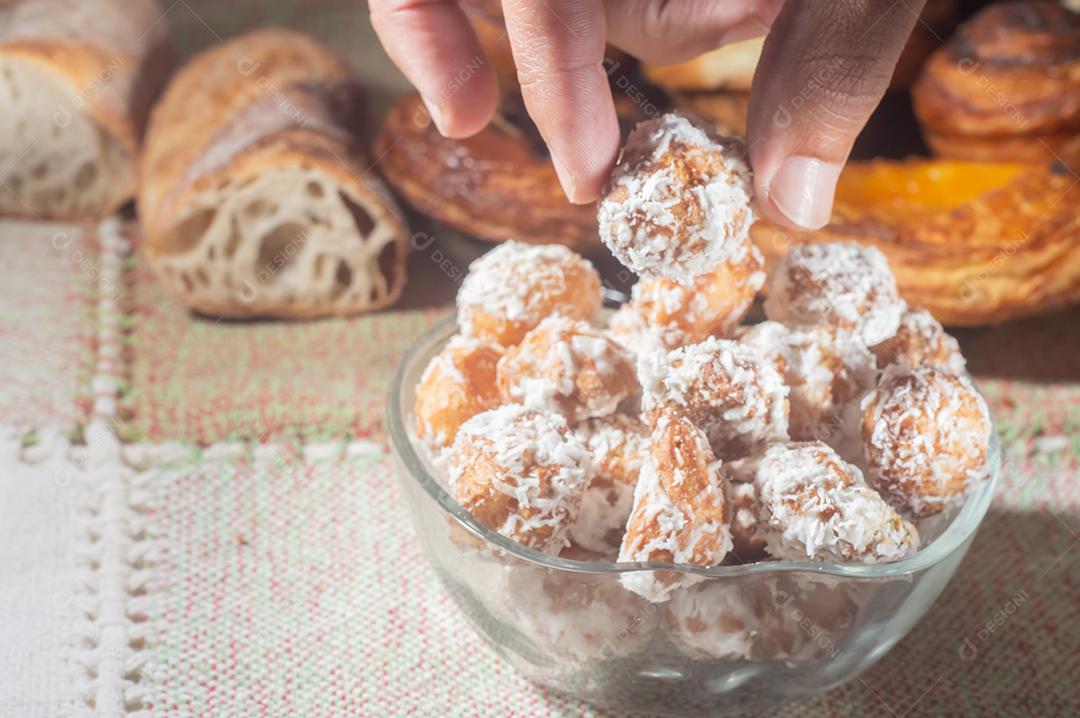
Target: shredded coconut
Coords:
[(826, 371), (678, 202), (926, 435), (521, 472), (618, 444), (921, 341), (817, 506), (567, 366), (726, 388), (843, 285), (514, 286), (680, 510)]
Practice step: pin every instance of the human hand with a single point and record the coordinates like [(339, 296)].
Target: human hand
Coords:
[(823, 70)]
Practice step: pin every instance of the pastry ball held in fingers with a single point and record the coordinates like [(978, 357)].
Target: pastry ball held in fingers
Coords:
[(677, 204)]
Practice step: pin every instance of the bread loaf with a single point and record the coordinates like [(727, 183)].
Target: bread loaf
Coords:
[(76, 81), (257, 199)]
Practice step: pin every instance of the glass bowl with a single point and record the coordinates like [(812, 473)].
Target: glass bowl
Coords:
[(743, 638)]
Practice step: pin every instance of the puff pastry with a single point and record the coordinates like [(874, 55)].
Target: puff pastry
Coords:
[(972, 243), (1006, 87)]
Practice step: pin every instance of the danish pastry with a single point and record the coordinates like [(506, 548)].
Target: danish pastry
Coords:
[(926, 437), (680, 512), (513, 287), (677, 204), (456, 385), (1006, 87), (826, 370), (77, 78), (816, 506), (618, 444), (921, 341), (841, 285), (521, 472), (972, 243), (726, 388), (565, 365), (665, 313)]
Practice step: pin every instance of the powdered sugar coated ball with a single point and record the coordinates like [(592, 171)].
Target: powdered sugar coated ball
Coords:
[(515, 286), (729, 390), (921, 341), (521, 472), (677, 205), (567, 366), (926, 437), (817, 506), (457, 384), (680, 512), (842, 285), (665, 313), (825, 369)]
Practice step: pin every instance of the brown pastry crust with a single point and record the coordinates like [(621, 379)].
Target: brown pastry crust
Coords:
[(1006, 87), (271, 101), (497, 185), (972, 243), (113, 53)]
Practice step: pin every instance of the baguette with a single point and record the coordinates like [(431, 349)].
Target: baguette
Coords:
[(256, 198), (76, 81)]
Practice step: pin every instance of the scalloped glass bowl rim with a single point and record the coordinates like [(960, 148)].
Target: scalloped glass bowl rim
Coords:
[(961, 528)]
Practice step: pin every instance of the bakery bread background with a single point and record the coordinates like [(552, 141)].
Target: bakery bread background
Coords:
[(256, 196), (76, 81)]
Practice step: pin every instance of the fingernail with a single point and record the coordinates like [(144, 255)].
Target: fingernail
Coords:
[(566, 179), (803, 189), (436, 114)]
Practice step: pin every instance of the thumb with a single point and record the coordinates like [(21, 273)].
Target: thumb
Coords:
[(823, 70)]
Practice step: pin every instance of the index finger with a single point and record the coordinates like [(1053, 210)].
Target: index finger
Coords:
[(558, 48), (433, 44)]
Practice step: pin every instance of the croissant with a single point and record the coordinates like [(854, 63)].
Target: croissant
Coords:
[(973, 243), (1006, 87)]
